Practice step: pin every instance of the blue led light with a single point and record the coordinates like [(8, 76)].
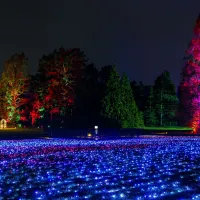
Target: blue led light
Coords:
[(145, 168)]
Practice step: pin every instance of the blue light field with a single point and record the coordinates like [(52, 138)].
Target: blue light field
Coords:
[(145, 168)]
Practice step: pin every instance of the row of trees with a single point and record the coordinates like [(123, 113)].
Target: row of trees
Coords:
[(161, 107), (67, 91), (26, 98), (137, 105)]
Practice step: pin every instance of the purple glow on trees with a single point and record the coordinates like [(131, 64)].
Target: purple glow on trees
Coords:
[(189, 89)]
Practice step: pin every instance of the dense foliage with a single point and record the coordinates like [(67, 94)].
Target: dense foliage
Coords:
[(189, 90), (14, 85), (67, 91), (165, 100)]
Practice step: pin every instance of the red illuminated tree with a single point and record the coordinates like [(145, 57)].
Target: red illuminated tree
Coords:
[(189, 89), (36, 107), (58, 73)]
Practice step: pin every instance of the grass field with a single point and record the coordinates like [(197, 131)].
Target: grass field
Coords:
[(21, 130), (171, 128), (10, 133)]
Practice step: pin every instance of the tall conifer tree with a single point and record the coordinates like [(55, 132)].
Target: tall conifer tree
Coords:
[(118, 104), (130, 115), (111, 103), (165, 100), (189, 89)]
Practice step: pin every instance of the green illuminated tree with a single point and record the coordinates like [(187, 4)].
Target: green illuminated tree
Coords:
[(14, 84), (130, 115), (118, 105), (166, 101), (3, 104), (111, 103)]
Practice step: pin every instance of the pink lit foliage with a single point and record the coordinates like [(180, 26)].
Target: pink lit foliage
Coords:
[(189, 89)]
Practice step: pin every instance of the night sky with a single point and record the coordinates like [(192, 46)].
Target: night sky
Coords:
[(141, 37)]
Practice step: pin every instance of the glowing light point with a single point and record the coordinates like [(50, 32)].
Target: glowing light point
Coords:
[(96, 127)]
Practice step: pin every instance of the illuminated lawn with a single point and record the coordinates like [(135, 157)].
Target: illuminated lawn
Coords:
[(145, 168), (170, 128)]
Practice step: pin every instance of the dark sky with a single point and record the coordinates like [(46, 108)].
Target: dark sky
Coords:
[(141, 37)]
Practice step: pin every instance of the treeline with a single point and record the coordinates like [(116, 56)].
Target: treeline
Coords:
[(68, 91)]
